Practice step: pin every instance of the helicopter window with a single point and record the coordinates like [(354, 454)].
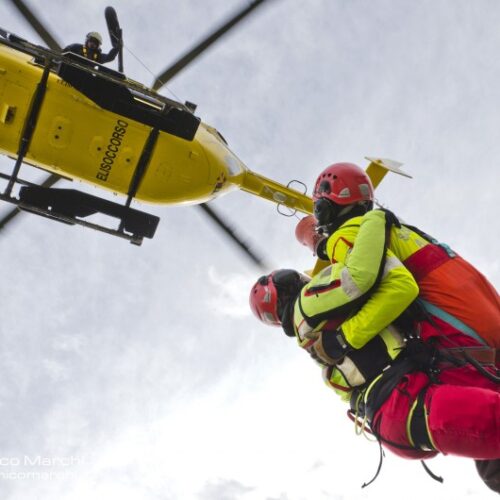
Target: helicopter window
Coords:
[(233, 167), (7, 113)]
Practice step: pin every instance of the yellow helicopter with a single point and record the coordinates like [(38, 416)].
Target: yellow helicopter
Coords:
[(83, 121)]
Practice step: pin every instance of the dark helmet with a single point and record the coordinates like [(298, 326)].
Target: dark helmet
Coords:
[(338, 188), (270, 295)]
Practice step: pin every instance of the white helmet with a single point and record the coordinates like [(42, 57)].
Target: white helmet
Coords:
[(95, 36)]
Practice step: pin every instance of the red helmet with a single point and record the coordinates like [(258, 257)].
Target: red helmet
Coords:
[(269, 295), (344, 184)]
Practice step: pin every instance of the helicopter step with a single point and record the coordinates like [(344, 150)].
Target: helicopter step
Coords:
[(70, 206)]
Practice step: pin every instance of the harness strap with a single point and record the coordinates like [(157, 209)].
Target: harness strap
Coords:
[(417, 429), (378, 392), (433, 310), (85, 53)]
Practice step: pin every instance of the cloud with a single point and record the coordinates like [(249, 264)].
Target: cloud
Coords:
[(230, 293), (224, 489)]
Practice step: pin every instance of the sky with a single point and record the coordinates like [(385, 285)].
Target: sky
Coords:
[(138, 372)]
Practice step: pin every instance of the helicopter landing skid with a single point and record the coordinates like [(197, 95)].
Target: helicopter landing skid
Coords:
[(71, 206)]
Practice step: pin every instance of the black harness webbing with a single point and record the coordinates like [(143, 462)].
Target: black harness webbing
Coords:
[(386, 384), (418, 427), (95, 54)]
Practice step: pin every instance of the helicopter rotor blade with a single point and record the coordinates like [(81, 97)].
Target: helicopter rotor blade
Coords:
[(254, 257), (6, 219), (188, 57), (115, 33), (36, 24)]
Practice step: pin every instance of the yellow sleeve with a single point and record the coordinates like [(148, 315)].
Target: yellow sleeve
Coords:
[(364, 261), (397, 290), (342, 286), (371, 276)]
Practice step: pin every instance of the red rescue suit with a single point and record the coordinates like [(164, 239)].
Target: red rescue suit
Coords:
[(459, 413)]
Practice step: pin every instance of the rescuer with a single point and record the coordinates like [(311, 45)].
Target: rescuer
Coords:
[(451, 289), (91, 49), (413, 380)]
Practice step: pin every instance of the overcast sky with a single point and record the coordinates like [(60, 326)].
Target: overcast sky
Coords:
[(138, 372)]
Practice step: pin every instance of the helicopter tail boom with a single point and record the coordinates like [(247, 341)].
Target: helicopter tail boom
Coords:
[(277, 193)]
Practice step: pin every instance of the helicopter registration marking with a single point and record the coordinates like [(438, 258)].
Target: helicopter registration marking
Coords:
[(60, 81), (112, 149)]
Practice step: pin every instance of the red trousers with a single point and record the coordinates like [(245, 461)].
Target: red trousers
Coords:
[(462, 420), (463, 410)]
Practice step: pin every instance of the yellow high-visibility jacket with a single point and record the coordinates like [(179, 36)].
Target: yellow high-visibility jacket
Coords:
[(336, 293)]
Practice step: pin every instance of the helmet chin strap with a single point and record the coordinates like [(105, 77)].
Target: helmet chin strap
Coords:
[(339, 214)]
